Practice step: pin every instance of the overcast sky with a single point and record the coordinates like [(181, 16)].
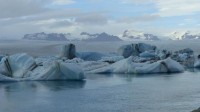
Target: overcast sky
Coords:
[(18, 17)]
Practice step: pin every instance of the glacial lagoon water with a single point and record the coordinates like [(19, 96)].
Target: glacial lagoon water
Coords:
[(105, 93), (101, 92)]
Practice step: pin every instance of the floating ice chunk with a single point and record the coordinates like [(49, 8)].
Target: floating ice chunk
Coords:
[(197, 110), (163, 66), (1, 57), (94, 56), (23, 67), (92, 65), (163, 54), (111, 59), (68, 51), (17, 65), (71, 71), (146, 47), (44, 59), (128, 66), (197, 64), (75, 60), (183, 57), (186, 50), (91, 56), (147, 54), (58, 71), (7, 79), (124, 66), (135, 49)]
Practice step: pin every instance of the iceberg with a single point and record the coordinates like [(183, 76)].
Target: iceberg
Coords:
[(58, 71), (197, 64), (20, 67), (90, 56), (96, 56), (135, 49), (88, 66), (163, 66), (111, 59), (127, 66), (147, 54), (68, 51)]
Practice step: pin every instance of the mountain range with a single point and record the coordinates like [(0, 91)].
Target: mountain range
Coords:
[(84, 36), (127, 35)]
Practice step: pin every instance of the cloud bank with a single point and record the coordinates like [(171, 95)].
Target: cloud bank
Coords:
[(18, 17)]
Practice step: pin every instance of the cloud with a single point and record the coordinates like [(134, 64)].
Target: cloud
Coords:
[(92, 19), (63, 2), (135, 1), (54, 23), (18, 17), (143, 18), (17, 8), (61, 23), (168, 8), (20, 8)]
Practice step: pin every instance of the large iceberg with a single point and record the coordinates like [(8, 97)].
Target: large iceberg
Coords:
[(24, 67), (127, 66)]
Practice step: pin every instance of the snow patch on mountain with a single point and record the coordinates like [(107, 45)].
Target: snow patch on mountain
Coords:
[(44, 36), (186, 35), (130, 35), (99, 37)]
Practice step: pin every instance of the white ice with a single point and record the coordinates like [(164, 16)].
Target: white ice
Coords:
[(127, 66)]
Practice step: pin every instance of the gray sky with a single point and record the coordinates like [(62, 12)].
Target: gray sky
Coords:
[(18, 17)]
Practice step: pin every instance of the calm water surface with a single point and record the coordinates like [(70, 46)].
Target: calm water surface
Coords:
[(105, 93)]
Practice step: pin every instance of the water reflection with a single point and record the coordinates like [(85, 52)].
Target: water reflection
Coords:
[(41, 85), (194, 70), (113, 92), (131, 77), (93, 80)]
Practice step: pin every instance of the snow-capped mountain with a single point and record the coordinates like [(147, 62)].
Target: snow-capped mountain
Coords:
[(184, 35), (99, 37), (130, 35), (44, 36)]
